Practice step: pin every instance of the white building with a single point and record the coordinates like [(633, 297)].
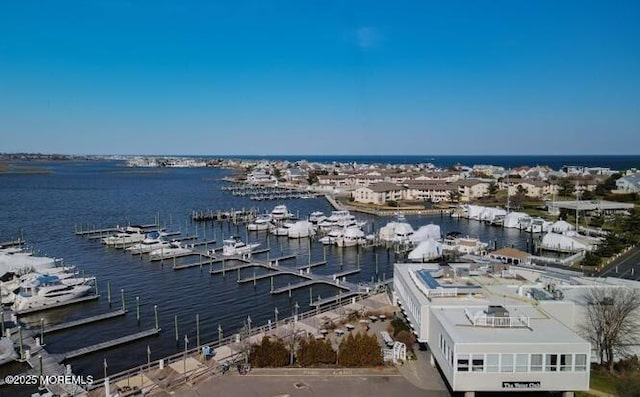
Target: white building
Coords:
[(628, 184), (486, 335)]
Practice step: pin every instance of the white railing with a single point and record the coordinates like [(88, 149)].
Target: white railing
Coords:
[(482, 320), (442, 293)]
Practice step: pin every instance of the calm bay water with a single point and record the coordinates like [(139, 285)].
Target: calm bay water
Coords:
[(46, 207)]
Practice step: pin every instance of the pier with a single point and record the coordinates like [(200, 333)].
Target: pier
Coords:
[(83, 321), (111, 343), (59, 304)]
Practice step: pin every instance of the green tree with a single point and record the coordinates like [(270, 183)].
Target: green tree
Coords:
[(567, 187), (454, 196), (493, 188)]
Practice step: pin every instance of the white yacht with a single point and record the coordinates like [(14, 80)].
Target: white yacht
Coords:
[(151, 242), (352, 236), (7, 350), (233, 246), (174, 250), (340, 218), (127, 236), (45, 290), (10, 282), (464, 245), (396, 232), (316, 217), (262, 222), (282, 229), (333, 236), (301, 229), (280, 212)]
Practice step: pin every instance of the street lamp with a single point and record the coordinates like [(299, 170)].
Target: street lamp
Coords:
[(295, 315), (276, 313)]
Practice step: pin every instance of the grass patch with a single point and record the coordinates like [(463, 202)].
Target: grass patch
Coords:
[(603, 382)]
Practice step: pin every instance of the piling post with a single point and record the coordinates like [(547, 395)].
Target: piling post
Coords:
[(198, 331), (219, 335), (310, 295), (289, 290), (377, 268), (41, 331), (2, 321), (96, 282), (324, 253), (138, 309), (200, 260), (175, 322), (109, 292), (238, 274), (124, 305), (222, 267), (270, 290), (21, 347), (254, 278), (155, 312)]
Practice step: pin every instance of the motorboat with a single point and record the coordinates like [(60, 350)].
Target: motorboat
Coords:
[(280, 212), (282, 229), (10, 282), (129, 235), (352, 236), (332, 237), (7, 350), (234, 246), (316, 217), (262, 222), (301, 229), (396, 232), (340, 218), (46, 290), (174, 250), (151, 242), (22, 262), (427, 250), (464, 245)]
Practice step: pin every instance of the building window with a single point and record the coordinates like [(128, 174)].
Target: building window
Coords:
[(506, 363), (551, 363), (492, 363), (581, 362), (477, 363), (565, 362), (463, 363), (536, 363), (522, 362)]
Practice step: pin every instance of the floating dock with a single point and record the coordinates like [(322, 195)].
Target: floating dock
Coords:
[(111, 343), (55, 305), (83, 321)]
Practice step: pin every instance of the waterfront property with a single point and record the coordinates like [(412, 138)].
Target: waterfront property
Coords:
[(486, 334)]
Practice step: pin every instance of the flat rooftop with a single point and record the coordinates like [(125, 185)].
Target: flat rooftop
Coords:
[(542, 328)]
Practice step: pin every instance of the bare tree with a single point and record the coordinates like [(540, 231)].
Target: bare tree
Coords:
[(612, 321)]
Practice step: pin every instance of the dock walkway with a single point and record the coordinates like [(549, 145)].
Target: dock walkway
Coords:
[(110, 343), (83, 321)]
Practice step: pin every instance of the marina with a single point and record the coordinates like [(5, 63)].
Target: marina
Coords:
[(294, 270)]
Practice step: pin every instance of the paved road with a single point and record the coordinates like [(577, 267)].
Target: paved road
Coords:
[(627, 266), (306, 386)]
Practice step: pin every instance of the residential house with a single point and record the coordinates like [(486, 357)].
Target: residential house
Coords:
[(379, 193)]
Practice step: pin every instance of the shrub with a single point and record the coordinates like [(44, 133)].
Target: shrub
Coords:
[(312, 352), (269, 354), (399, 325), (408, 338), (361, 350)]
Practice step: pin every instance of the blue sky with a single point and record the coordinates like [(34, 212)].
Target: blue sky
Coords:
[(320, 77)]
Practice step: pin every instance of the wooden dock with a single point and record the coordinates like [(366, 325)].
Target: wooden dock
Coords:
[(96, 231), (196, 244), (278, 272), (311, 265), (335, 298), (111, 343), (55, 305), (83, 321), (203, 263), (309, 283), (282, 258), (170, 257)]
